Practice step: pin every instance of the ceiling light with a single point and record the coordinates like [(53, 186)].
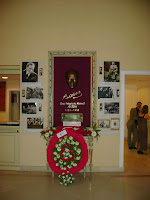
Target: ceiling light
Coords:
[(5, 77)]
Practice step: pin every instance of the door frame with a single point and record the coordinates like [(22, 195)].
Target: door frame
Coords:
[(123, 73)]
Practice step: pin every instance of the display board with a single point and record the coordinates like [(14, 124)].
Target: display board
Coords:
[(32, 96), (108, 99)]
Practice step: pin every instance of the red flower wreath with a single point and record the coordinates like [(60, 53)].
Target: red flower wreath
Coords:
[(79, 164)]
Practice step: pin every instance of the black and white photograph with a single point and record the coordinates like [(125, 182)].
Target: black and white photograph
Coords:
[(114, 123), (35, 123), (111, 108), (29, 108), (104, 123), (41, 71), (40, 107), (100, 106), (23, 92), (34, 93), (105, 92), (100, 70), (117, 92), (111, 71), (29, 71)]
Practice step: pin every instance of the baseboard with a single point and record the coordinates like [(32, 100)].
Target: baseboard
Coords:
[(94, 169)]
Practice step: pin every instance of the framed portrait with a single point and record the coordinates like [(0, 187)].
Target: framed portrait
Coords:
[(104, 123), (111, 71), (29, 71), (105, 92), (111, 108), (29, 108), (71, 75), (35, 123), (115, 123)]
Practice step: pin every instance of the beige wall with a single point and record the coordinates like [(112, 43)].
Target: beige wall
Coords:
[(116, 30)]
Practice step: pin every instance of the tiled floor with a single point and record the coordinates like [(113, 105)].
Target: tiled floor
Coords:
[(133, 184)]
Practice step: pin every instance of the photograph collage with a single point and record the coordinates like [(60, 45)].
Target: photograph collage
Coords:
[(108, 102), (32, 94)]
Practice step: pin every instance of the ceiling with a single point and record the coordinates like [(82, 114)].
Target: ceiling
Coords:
[(10, 77)]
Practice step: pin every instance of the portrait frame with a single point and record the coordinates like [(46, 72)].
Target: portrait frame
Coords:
[(103, 123), (115, 124), (111, 71), (74, 55), (33, 77)]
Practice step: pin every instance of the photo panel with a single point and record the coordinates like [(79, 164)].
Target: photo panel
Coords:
[(29, 71), (35, 123), (111, 71), (34, 93), (105, 92), (114, 123), (111, 108), (29, 108), (103, 123)]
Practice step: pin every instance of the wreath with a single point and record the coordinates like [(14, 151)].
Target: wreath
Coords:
[(67, 154)]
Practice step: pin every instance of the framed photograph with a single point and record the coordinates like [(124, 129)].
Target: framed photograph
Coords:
[(29, 108), (29, 71), (115, 123), (41, 71), (35, 123), (100, 106), (111, 108), (112, 71), (40, 107), (34, 93), (100, 70), (104, 123), (23, 92), (72, 79), (117, 93), (105, 92)]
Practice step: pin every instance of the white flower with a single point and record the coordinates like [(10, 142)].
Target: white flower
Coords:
[(47, 135), (70, 138), (67, 150), (57, 164), (55, 153), (78, 158), (58, 156), (58, 149), (56, 145), (77, 143), (51, 132), (55, 158), (70, 156), (78, 151), (74, 164), (93, 133)]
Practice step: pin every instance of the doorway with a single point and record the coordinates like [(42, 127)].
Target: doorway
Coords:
[(132, 75)]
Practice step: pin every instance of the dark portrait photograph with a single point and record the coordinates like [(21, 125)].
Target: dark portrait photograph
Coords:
[(105, 92), (111, 108), (111, 71), (29, 71), (29, 108)]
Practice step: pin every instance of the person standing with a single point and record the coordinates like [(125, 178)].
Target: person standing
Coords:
[(142, 131), (132, 125)]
